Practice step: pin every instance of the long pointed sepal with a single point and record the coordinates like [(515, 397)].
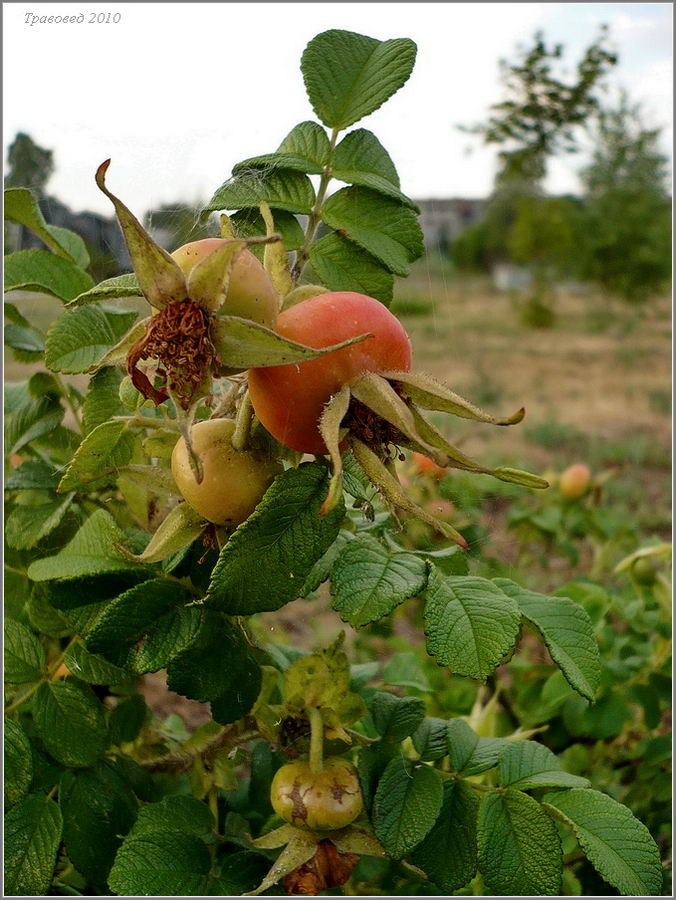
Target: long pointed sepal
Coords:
[(431, 394), (159, 276)]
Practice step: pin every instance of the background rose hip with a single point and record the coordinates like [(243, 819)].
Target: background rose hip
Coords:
[(234, 481), (251, 293), (575, 481), (289, 400), (323, 801)]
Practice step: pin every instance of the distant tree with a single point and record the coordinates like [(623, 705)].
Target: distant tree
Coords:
[(628, 208), (30, 166), (541, 113)]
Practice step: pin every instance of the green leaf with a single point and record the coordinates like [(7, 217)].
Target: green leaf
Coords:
[(109, 446), (368, 581), (32, 837), (471, 625), (161, 864), (619, 847), (43, 617), (72, 243), (342, 265), (525, 765), (90, 552), (28, 525), (217, 665), (519, 847), (80, 338), (381, 225), (249, 223), (33, 475), (43, 272), (128, 617), (449, 852), (469, 753), (280, 188), (406, 806), (98, 809), (268, 558), (431, 739), (171, 634), (324, 565), (34, 418), (396, 717), (24, 654), (348, 76), (405, 670), (18, 762), (92, 668), (102, 400), (304, 149), (21, 206), (69, 720), (27, 343), (450, 560), (127, 719), (361, 159), (567, 631), (110, 289), (179, 812)]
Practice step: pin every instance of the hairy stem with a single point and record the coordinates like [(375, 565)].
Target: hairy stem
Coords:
[(316, 740), (242, 430), (316, 213)]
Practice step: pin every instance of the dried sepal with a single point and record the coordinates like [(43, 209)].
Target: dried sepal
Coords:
[(179, 340), (332, 433), (388, 485), (275, 260), (458, 460), (378, 394), (178, 530), (209, 280), (243, 344), (159, 276), (431, 394), (117, 355)]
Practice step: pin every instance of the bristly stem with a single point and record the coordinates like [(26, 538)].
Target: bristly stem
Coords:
[(316, 213), (242, 430), (316, 740)]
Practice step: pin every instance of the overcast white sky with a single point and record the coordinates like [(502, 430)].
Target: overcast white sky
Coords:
[(176, 93)]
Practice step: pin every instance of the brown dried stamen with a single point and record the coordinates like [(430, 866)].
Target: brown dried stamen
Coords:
[(374, 431), (178, 338)]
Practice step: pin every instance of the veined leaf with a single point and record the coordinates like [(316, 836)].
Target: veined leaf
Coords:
[(406, 806), (268, 558), (343, 265), (110, 289), (348, 75), (45, 273), (379, 224), (566, 630), (78, 340), (619, 847), (361, 159), (368, 581), (525, 765), (18, 762), (304, 149), (21, 206), (519, 847), (109, 446), (471, 625), (281, 189), (32, 838), (69, 720)]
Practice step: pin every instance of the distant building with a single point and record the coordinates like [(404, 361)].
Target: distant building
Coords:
[(443, 220)]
